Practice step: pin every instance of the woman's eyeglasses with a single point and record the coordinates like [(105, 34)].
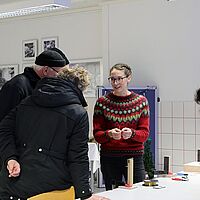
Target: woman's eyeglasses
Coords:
[(116, 79)]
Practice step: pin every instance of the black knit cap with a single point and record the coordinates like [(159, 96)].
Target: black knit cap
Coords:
[(61, 53), (50, 58)]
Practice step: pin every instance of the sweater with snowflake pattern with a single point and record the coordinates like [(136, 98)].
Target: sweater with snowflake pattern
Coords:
[(113, 111)]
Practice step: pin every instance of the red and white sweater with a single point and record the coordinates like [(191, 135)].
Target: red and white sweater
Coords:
[(113, 111)]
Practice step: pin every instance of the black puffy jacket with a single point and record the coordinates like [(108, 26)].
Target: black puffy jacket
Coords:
[(16, 89), (48, 134)]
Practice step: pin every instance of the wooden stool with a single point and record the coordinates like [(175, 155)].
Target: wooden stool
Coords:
[(67, 194)]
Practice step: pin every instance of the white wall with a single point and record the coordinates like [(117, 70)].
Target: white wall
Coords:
[(160, 40), (79, 33)]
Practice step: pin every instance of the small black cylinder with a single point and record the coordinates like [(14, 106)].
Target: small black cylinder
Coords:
[(166, 164), (198, 155)]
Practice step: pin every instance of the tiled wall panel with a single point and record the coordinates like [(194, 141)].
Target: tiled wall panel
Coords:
[(178, 133)]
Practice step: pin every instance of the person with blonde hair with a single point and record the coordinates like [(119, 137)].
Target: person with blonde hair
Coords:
[(44, 140), (77, 74)]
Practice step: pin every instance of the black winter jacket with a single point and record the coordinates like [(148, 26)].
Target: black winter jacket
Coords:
[(48, 134), (16, 89)]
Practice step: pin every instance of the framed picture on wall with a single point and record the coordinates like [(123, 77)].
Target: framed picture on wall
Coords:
[(49, 42), (7, 72), (29, 49), (95, 68)]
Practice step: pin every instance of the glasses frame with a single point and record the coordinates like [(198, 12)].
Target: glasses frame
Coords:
[(53, 69), (118, 79)]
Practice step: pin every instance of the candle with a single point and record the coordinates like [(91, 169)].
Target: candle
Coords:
[(130, 172)]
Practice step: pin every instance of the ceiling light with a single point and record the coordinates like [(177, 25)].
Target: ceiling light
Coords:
[(35, 8)]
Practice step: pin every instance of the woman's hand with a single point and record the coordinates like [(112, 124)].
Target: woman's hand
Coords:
[(13, 168), (126, 133), (115, 133)]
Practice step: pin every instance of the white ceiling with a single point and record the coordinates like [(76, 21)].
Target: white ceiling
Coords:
[(73, 2), (85, 3), (11, 5)]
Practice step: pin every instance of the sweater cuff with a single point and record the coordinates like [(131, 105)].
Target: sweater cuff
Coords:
[(133, 133), (106, 134)]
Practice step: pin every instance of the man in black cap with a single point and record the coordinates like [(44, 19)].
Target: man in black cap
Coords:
[(48, 63), (61, 53)]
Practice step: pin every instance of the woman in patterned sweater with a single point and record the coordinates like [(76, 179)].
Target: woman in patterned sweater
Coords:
[(121, 126)]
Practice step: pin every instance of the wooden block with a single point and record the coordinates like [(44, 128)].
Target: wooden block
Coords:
[(192, 167), (130, 163)]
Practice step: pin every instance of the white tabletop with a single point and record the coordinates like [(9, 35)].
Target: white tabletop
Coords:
[(180, 190)]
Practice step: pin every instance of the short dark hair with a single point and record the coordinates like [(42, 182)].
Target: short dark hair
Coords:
[(197, 96), (120, 66)]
